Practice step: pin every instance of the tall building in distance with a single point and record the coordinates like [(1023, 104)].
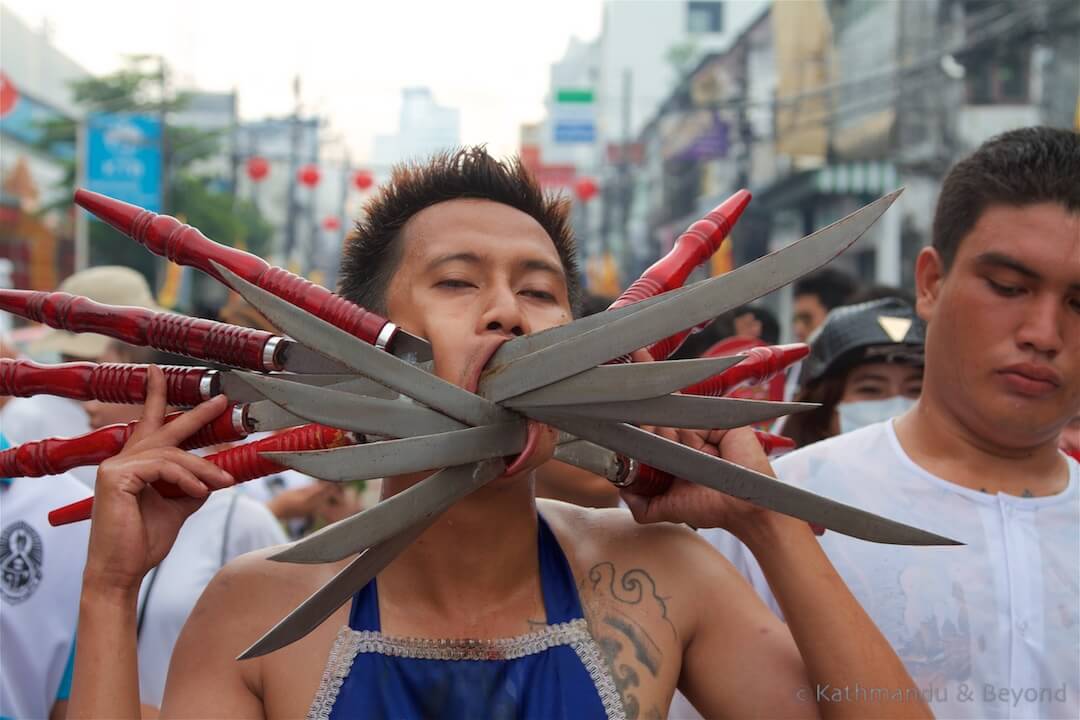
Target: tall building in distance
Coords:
[(424, 128)]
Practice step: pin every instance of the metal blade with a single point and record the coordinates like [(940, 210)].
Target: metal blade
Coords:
[(634, 381), (413, 454), (587, 456), (296, 358), (528, 344), (359, 413), (686, 411), (326, 600), (265, 415), (697, 304), (740, 482), (240, 391), (365, 359), (419, 503)]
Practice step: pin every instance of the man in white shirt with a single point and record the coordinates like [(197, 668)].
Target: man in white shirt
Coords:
[(990, 629)]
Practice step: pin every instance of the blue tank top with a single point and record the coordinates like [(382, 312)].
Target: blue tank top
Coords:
[(554, 672)]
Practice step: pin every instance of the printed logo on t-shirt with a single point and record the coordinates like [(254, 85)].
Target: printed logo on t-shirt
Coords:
[(20, 562)]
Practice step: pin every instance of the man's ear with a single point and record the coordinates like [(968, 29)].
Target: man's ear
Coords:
[(929, 277)]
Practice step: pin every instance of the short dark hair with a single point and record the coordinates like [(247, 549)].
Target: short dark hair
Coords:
[(372, 253), (1020, 167), (770, 327), (831, 286)]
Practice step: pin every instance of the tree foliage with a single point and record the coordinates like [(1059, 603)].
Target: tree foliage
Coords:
[(193, 194)]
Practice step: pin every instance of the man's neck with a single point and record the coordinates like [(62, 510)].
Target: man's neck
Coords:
[(477, 558), (941, 443)]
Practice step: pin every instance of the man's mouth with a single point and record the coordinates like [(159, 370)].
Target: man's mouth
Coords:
[(533, 429), (1031, 379)]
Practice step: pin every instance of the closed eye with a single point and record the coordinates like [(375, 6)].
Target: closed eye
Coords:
[(539, 295), (1004, 290), (454, 283)]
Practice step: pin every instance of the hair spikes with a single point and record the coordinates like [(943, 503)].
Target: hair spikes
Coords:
[(372, 253)]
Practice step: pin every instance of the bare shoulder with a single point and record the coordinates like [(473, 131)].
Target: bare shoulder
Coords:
[(245, 599), (612, 535)]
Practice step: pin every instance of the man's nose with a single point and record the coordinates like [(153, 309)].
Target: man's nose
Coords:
[(503, 313), (1041, 327)]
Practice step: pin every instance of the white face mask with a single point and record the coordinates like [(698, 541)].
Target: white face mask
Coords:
[(855, 415)]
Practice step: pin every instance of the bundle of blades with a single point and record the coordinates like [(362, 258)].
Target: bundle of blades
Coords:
[(529, 377)]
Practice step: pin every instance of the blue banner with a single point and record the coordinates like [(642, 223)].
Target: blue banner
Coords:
[(123, 157)]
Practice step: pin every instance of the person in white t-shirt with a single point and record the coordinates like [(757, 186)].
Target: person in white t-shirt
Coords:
[(41, 571), (990, 629)]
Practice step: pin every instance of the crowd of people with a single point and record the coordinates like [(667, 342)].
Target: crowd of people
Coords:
[(952, 406)]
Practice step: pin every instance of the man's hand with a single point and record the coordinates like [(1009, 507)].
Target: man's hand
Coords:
[(133, 526), (700, 506)]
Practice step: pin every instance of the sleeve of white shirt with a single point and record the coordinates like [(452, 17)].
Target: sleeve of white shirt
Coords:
[(253, 527)]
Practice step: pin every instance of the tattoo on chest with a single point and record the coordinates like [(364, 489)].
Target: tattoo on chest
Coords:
[(621, 601)]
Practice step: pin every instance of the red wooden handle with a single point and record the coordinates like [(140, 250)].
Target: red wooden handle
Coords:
[(56, 455), (166, 236), (691, 249), (242, 462), (107, 382), (194, 337), (761, 365)]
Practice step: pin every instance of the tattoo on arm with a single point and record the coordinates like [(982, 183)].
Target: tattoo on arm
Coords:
[(625, 644)]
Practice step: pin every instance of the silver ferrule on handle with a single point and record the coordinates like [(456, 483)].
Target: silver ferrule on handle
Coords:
[(269, 353), (625, 471), (385, 335), (239, 419), (206, 384)]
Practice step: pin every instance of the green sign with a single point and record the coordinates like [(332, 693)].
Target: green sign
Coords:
[(573, 95)]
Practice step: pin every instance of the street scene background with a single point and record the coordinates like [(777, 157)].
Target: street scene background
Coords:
[(267, 128)]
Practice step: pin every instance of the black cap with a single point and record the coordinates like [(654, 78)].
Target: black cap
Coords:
[(886, 330)]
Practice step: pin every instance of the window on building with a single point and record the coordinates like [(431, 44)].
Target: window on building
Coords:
[(704, 17)]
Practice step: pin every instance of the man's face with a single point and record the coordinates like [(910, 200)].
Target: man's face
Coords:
[(807, 313), (473, 274), (1003, 341)]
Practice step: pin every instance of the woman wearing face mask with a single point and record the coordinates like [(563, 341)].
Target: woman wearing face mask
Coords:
[(865, 366)]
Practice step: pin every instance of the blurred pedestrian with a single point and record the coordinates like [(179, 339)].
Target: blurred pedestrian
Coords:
[(815, 295), (865, 366), (755, 321), (41, 569)]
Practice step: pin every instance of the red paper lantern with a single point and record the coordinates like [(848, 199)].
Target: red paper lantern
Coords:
[(309, 175), (331, 223), (585, 189), (363, 179), (258, 168), (9, 96)]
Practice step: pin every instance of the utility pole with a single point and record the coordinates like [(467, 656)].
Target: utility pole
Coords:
[(625, 190), (294, 142)]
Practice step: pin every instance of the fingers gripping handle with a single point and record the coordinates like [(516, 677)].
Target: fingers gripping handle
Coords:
[(166, 236), (194, 337), (648, 481), (242, 462), (107, 382), (56, 455)]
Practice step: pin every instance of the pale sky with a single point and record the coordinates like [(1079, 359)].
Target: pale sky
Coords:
[(488, 58)]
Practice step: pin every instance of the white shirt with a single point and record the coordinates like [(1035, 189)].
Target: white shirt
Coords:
[(227, 525), (987, 630), (40, 579)]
